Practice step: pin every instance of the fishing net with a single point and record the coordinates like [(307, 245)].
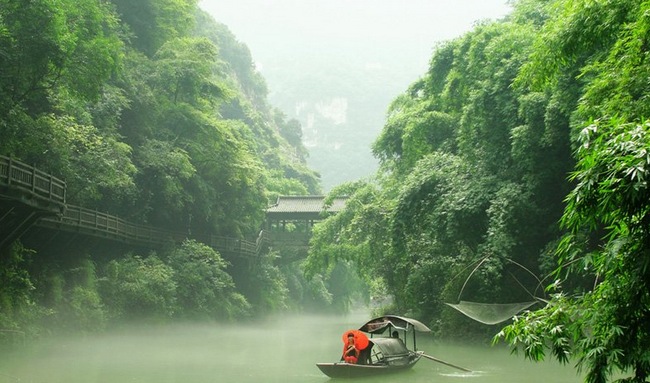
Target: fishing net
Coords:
[(491, 313)]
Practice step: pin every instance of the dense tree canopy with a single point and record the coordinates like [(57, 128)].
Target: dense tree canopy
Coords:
[(152, 105), (151, 111), (516, 167)]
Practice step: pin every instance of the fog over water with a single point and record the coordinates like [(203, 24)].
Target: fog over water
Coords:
[(280, 350)]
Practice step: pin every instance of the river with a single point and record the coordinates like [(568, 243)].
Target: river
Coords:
[(280, 350)]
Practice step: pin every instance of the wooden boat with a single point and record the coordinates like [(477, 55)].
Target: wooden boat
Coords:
[(386, 352)]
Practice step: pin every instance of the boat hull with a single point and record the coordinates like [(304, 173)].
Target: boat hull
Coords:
[(346, 370)]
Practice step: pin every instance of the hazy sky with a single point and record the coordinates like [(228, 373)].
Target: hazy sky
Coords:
[(411, 27)]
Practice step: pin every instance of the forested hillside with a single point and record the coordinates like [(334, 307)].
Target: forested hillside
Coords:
[(516, 169), (153, 112)]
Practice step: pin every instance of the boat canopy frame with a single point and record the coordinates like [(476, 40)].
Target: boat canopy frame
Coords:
[(387, 323)]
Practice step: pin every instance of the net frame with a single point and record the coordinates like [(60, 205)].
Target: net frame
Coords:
[(491, 313), (494, 313)]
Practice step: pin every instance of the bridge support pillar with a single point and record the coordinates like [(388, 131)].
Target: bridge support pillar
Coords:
[(14, 222)]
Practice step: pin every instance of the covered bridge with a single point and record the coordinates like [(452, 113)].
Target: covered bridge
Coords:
[(297, 214)]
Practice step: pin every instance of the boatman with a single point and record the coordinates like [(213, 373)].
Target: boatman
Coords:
[(350, 350)]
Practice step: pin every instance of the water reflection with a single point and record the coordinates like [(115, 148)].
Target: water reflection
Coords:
[(281, 350)]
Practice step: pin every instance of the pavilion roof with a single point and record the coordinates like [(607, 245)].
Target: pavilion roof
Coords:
[(309, 204)]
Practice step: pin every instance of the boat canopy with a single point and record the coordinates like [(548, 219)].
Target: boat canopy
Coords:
[(390, 347), (381, 324)]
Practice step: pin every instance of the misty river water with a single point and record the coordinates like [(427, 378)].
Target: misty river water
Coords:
[(280, 350)]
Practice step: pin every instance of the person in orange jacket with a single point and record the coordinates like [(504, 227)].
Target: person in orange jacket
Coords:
[(350, 350)]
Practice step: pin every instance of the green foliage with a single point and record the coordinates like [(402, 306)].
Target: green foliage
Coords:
[(57, 58), (87, 313), (34, 301), (348, 234), (317, 295), (274, 139), (166, 121), (93, 49), (612, 193), (164, 174), (618, 87), (438, 196), (611, 178), (271, 293), (548, 328), (139, 288), (473, 170), (204, 290), (578, 33), (534, 12), (152, 111), (86, 101), (495, 56), (49, 45), (95, 164), (447, 216), (67, 294), (603, 328), (277, 185), (16, 290), (236, 56), (346, 288), (346, 248), (413, 130), (153, 22), (185, 70), (314, 293)]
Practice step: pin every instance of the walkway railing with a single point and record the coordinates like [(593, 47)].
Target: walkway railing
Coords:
[(234, 246), (16, 174), (20, 175), (78, 218)]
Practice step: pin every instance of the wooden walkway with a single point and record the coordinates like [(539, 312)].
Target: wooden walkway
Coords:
[(94, 223), (28, 184), (45, 196)]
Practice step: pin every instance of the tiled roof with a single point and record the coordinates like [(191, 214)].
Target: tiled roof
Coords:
[(305, 204)]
